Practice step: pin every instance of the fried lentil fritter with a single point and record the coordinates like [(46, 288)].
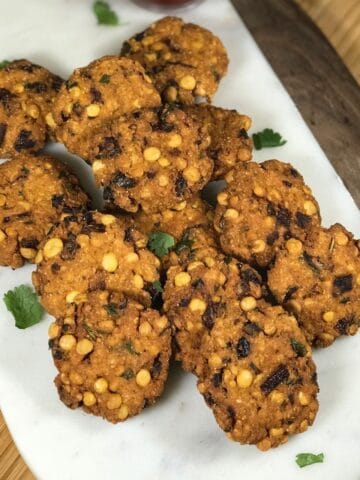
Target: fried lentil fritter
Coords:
[(35, 192), (175, 221), (319, 280), (259, 378), (112, 354), (105, 89), (200, 293), (230, 143), (26, 95), (151, 159), (93, 251), (184, 60), (262, 206)]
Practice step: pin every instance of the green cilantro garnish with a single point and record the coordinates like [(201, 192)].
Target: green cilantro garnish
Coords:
[(4, 64), (184, 242), (128, 374), (160, 243), (129, 347), (298, 347), (157, 286), (104, 14), (267, 138), (23, 303), (111, 309), (91, 332), (305, 459), (105, 79)]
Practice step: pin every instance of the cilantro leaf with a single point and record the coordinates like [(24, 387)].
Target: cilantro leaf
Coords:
[(23, 303), (184, 242), (267, 138), (305, 459), (157, 286), (160, 243), (129, 347), (4, 64), (298, 347), (104, 14), (105, 78)]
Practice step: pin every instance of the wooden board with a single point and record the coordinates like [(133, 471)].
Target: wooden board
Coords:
[(323, 89), (296, 49)]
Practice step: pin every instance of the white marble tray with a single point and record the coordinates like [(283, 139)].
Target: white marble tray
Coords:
[(178, 438)]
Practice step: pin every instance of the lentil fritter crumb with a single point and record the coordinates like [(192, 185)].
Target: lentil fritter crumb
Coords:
[(184, 60), (26, 95), (112, 354), (35, 193), (319, 281), (263, 206)]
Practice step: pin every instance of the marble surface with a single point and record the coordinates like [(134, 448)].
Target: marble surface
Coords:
[(178, 437)]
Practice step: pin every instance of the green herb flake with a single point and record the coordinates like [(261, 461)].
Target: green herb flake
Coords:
[(157, 286), (4, 64), (104, 14), (105, 79), (160, 243), (23, 303), (267, 138), (184, 242), (298, 347), (128, 374), (92, 334), (129, 347), (305, 459), (111, 309)]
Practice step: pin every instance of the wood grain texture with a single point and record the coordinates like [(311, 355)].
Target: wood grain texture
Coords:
[(340, 21), (323, 89)]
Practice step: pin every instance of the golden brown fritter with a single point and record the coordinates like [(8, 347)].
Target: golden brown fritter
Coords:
[(105, 89), (93, 251), (262, 206), (230, 143), (184, 60), (112, 355), (151, 159), (201, 292), (259, 378), (175, 221), (319, 280), (35, 192), (26, 95)]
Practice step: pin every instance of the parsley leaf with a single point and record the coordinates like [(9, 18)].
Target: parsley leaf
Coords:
[(104, 14), (298, 347), (184, 242), (4, 64), (157, 286), (305, 459), (23, 303), (267, 138), (160, 243)]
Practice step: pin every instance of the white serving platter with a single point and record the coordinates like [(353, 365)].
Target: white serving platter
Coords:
[(178, 438)]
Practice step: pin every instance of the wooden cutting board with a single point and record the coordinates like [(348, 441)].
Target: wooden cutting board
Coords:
[(324, 91)]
